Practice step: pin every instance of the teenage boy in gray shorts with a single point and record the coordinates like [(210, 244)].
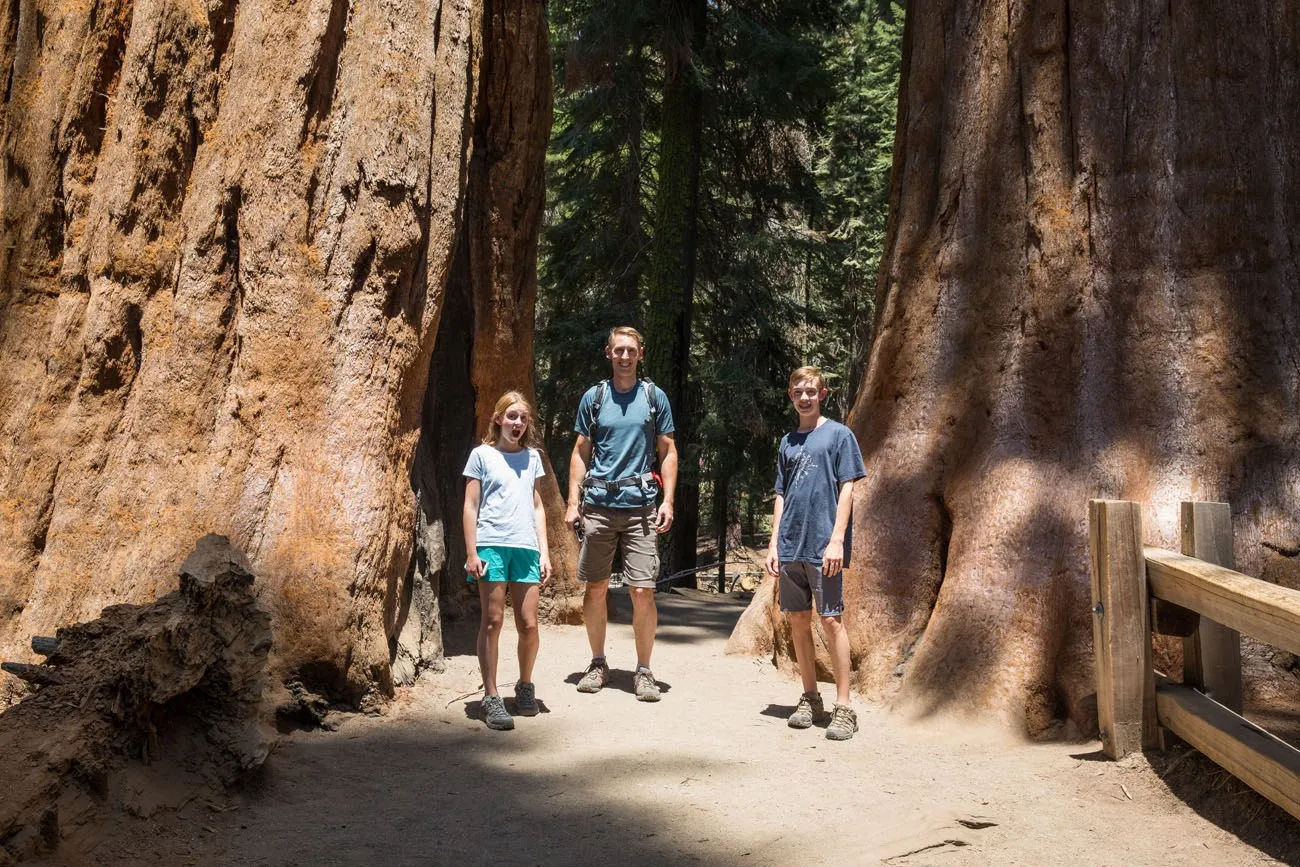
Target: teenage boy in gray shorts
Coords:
[(622, 424), (812, 531)]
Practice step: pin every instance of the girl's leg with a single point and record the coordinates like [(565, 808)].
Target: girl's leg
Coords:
[(525, 598), (492, 599)]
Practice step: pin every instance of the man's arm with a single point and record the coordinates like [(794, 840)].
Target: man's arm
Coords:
[(667, 447), (773, 559), (833, 559), (578, 463)]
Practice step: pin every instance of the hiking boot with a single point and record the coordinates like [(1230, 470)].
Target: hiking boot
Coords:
[(808, 711), (595, 677), (646, 687), (844, 722), (525, 699), (495, 714)]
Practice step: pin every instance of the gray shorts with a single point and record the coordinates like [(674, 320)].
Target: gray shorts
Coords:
[(801, 582), (601, 531)]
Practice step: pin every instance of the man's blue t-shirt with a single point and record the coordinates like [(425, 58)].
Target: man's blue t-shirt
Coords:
[(621, 447), (810, 468)]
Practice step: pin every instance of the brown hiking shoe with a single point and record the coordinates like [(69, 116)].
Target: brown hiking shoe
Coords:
[(594, 678), (844, 722), (809, 710)]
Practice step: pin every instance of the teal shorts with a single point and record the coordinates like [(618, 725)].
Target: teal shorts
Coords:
[(509, 564)]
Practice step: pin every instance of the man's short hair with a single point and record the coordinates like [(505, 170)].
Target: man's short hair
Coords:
[(807, 372), (626, 331)]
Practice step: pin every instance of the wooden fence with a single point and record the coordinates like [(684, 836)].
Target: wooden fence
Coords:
[(1197, 596)]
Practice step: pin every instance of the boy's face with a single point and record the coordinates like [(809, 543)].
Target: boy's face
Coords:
[(625, 353), (807, 397)]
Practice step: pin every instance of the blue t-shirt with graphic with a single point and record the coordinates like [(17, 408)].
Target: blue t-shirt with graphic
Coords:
[(621, 448), (810, 468), (505, 505)]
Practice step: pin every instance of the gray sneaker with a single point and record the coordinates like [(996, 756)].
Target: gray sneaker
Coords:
[(809, 710), (525, 699), (844, 722), (495, 714), (595, 677), (646, 687)]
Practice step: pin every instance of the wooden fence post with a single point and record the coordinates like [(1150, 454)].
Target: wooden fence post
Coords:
[(1211, 655), (1121, 628)]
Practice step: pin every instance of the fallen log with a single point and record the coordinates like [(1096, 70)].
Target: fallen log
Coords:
[(37, 675)]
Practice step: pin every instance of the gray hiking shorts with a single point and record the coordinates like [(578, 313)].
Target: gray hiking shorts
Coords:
[(801, 583), (601, 531)]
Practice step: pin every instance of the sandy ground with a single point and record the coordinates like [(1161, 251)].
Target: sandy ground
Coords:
[(710, 775)]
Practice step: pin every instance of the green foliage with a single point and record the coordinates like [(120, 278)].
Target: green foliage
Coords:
[(799, 106)]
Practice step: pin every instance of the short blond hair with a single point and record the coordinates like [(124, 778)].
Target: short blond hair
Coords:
[(808, 372), (624, 331)]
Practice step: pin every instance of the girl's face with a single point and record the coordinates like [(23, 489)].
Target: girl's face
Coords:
[(514, 424)]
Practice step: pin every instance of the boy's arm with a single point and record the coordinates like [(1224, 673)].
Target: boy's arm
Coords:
[(774, 561), (578, 463), (833, 559), (668, 472)]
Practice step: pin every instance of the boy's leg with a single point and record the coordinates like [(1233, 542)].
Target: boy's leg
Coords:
[(837, 637), (796, 598), (492, 601)]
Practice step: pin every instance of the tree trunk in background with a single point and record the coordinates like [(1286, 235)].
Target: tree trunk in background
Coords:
[(671, 287), (228, 236), (1089, 289)]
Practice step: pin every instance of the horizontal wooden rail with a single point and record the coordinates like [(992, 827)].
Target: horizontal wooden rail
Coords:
[(1266, 611), (1257, 758)]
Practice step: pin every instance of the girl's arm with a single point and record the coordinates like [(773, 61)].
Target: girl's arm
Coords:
[(469, 522), (543, 549)]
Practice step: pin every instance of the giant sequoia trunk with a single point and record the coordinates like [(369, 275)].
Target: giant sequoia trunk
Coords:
[(1089, 289), (228, 233)]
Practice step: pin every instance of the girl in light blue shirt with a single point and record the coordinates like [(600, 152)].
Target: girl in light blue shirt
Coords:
[(505, 535)]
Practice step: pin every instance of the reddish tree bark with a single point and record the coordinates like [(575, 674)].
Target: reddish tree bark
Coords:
[(1089, 289)]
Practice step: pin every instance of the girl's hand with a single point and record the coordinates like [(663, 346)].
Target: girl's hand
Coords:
[(475, 566), (546, 568)]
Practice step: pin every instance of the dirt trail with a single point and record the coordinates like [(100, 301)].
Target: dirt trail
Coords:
[(710, 775)]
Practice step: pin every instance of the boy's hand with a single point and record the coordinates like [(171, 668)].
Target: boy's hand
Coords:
[(773, 563), (571, 517), (833, 559), (664, 519)]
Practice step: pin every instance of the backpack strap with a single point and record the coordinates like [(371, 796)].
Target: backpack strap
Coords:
[(651, 425), (602, 389)]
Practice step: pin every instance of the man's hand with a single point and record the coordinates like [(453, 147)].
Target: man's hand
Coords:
[(664, 519), (833, 559), (546, 568), (571, 517), (475, 566), (773, 563)]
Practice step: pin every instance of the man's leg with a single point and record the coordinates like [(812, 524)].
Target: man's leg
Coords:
[(594, 614), (645, 620), (595, 558)]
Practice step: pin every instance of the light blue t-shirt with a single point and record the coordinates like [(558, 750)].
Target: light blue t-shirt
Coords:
[(620, 447), (810, 468), (505, 506)]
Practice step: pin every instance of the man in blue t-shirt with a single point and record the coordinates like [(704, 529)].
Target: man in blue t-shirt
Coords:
[(812, 531), (622, 425)]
